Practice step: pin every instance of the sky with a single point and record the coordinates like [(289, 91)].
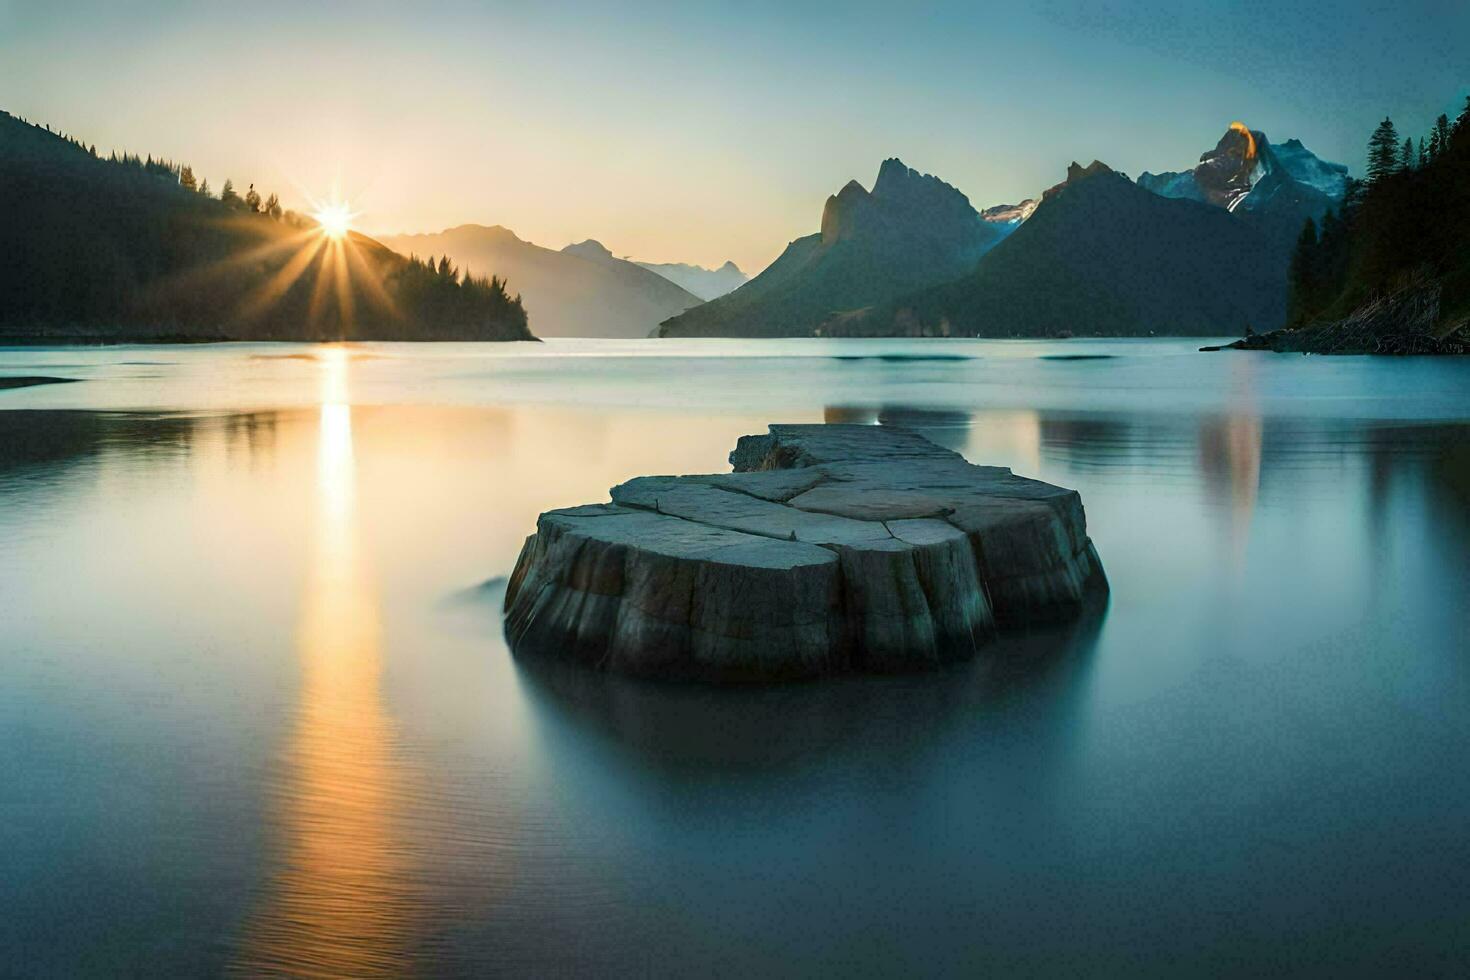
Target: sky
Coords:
[(700, 132)]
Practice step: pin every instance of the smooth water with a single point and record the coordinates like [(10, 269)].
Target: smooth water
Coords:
[(256, 712)]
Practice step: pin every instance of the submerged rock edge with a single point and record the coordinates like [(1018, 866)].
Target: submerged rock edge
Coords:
[(829, 549)]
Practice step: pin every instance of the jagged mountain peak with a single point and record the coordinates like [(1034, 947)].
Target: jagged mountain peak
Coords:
[(1239, 143), (910, 230), (1243, 160), (893, 173), (1229, 171), (842, 215), (903, 201), (1307, 168), (899, 185), (1078, 174)]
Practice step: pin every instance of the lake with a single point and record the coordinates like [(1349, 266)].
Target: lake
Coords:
[(257, 713)]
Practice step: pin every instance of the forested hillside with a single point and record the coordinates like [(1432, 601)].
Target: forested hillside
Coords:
[(1390, 271), (129, 249)]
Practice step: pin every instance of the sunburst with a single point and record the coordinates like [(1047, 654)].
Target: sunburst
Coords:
[(334, 219), (322, 241)]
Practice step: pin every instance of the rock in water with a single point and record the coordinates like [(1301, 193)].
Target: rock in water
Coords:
[(830, 548)]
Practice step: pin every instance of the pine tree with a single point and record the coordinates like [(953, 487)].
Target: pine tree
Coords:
[(1383, 151), (273, 207), (1303, 271), (1406, 156), (186, 179), (252, 199), (1419, 160), (1440, 138), (204, 187), (227, 195)]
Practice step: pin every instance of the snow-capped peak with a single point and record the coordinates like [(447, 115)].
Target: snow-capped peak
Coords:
[(1227, 175)]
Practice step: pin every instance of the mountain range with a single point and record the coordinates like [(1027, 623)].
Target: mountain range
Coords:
[(582, 290), (1203, 251), (707, 284), (123, 249), (1103, 256), (909, 231)]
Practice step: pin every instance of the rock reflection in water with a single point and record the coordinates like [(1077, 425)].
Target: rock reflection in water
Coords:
[(764, 727)]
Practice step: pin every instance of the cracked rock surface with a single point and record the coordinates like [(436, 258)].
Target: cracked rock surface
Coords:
[(830, 548)]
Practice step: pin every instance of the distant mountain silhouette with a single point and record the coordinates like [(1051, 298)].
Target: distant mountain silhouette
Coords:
[(911, 230), (581, 291), (121, 249), (1100, 256), (707, 284)]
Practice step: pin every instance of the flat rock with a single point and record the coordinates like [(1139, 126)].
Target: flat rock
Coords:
[(830, 548)]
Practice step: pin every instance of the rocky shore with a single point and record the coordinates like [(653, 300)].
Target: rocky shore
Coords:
[(828, 549), (1406, 321)]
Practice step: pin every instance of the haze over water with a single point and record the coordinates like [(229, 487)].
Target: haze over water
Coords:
[(258, 713)]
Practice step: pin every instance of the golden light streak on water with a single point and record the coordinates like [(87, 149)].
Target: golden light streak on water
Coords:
[(340, 900)]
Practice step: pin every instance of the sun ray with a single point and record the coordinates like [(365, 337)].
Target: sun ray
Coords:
[(320, 289), (344, 286), (371, 279), (284, 279), (259, 253), (329, 244)]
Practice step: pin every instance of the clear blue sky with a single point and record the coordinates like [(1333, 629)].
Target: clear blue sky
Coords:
[(700, 132)]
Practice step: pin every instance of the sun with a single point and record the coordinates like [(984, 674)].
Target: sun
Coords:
[(335, 219)]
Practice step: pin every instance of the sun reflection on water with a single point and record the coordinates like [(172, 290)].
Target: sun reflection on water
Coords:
[(339, 901)]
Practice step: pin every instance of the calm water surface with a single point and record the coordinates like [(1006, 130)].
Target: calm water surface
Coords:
[(257, 714)]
